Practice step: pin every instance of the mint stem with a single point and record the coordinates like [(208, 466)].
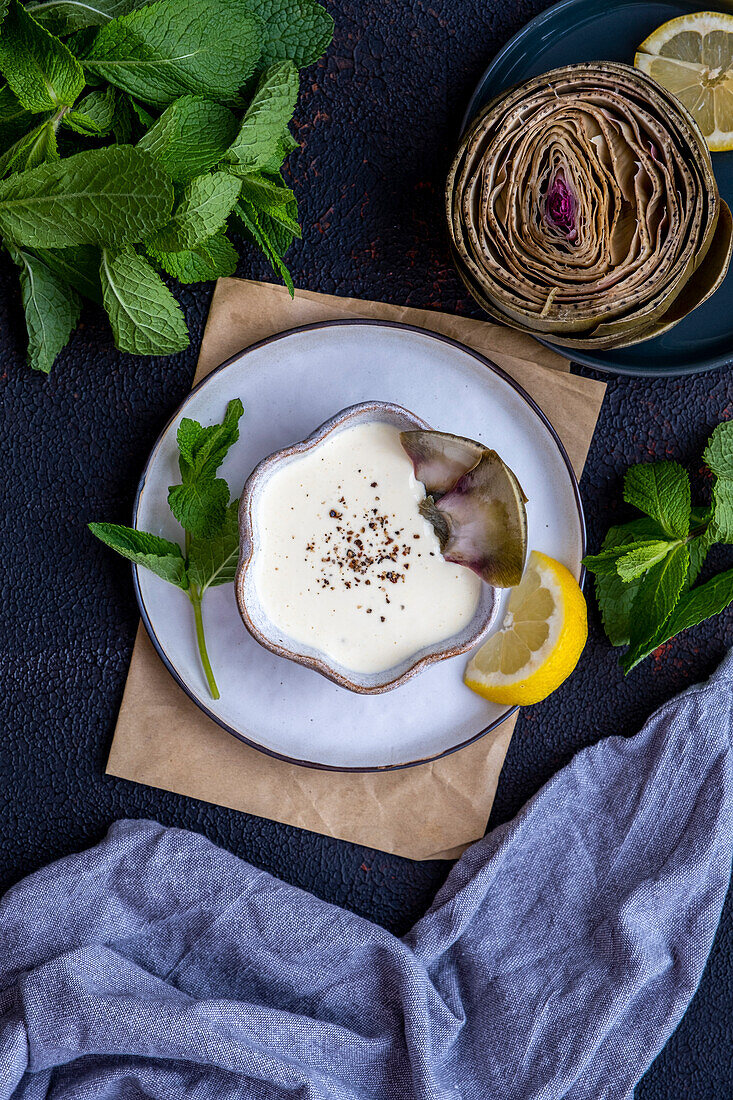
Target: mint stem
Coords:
[(195, 598)]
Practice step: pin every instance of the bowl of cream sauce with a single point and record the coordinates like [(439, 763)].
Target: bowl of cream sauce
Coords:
[(338, 569)]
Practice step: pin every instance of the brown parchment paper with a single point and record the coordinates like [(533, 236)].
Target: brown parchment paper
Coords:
[(432, 811)]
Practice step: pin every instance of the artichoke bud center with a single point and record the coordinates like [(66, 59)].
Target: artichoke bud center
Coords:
[(561, 207)]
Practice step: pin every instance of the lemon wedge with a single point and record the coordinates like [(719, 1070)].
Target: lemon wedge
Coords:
[(540, 641), (692, 57)]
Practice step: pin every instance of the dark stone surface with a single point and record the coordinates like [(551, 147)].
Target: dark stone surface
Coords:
[(377, 122)]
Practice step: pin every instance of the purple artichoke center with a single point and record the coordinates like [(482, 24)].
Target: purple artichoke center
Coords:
[(561, 206)]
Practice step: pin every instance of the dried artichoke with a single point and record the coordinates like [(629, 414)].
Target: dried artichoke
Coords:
[(582, 206)]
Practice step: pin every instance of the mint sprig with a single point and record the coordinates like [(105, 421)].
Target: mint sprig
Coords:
[(209, 519), (646, 570), (145, 133)]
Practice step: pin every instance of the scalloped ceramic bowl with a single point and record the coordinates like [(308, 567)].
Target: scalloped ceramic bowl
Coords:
[(269, 635)]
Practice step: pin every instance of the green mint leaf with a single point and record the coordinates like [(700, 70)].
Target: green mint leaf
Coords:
[(265, 121), (143, 115), (200, 507), (274, 199), (66, 16), (721, 529), (103, 196), (296, 29), (247, 217), (694, 607), (214, 258), (616, 597), (658, 595), (38, 146), (190, 137), (203, 449), (94, 115), (42, 72), (718, 454), (145, 317), (642, 557), (214, 561), (125, 128), (204, 205), (51, 310), (166, 50), (279, 237), (604, 563), (14, 119), (160, 556), (698, 547), (607, 561), (662, 490), (79, 267)]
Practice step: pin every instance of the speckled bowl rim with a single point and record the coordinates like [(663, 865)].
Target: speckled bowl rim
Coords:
[(245, 585), (347, 321)]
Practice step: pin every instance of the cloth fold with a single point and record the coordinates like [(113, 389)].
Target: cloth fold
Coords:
[(555, 961)]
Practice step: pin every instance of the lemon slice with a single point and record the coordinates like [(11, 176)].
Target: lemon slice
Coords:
[(692, 57), (540, 641)]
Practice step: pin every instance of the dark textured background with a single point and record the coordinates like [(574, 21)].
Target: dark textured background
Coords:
[(377, 122)]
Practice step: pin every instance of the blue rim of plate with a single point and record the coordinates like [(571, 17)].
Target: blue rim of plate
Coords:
[(147, 621), (543, 26)]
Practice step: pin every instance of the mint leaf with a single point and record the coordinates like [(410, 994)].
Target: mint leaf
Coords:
[(65, 16), (214, 258), (79, 267), (214, 561), (658, 595), (166, 50), (694, 607), (615, 597), (698, 547), (662, 490), (143, 115), (94, 115), (202, 450), (279, 237), (125, 127), (274, 199), (38, 146), (199, 503), (14, 119), (160, 556), (40, 69), (642, 557), (103, 196), (254, 226), (190, 137), (145, 317), (202, 209), (266, 119), (604, 564), (200, 506), (51, 310), (722, 525), (718, 454), (296, 29)]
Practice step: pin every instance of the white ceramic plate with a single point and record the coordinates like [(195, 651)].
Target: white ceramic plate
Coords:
[(289, 385)]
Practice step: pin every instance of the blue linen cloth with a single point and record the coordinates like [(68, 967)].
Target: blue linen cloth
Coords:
[(555, 961)]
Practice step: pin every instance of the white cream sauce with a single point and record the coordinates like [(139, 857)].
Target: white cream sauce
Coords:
[(346, 562)]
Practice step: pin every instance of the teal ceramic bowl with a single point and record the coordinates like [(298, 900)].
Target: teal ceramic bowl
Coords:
[(611, 30)]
